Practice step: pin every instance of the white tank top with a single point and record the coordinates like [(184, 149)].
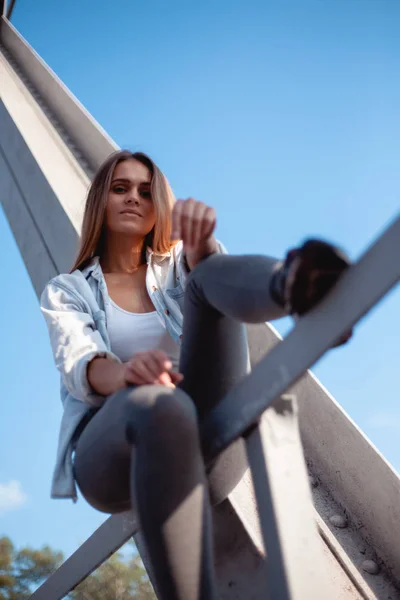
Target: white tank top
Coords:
[(137, 332)]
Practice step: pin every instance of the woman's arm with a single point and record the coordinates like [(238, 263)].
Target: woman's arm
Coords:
[(75, 341), (106, 376), (89, 371), (144, 368)]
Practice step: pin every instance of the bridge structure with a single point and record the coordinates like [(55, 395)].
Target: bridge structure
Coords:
[(317, 513)]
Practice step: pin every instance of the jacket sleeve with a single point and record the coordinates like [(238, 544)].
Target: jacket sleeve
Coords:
[(74, 339)]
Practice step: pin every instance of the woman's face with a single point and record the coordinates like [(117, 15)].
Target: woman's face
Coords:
[(130, 208)]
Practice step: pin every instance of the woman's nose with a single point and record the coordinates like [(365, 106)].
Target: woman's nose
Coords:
[(132, 197)]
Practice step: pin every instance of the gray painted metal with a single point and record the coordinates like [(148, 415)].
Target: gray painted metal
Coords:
[(296, 567), (83, 130), (36, 217), (106, 540), (238, 560), (355, 476), (239, 563), (347, 546), (32, 246), (355, 294)]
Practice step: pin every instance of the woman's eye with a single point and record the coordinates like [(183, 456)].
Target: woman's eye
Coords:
[(119, 189), (145, 193)]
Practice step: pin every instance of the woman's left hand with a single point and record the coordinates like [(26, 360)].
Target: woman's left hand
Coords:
[(194, 223)]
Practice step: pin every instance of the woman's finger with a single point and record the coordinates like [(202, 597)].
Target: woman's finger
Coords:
[(145, 358), (165, 379), (198, 224), (176, 377), (140, 369), (133, 378), (155, 364), (187, 221), (162, 359), (209, 223)]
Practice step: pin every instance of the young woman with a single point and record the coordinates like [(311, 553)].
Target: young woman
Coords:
[(138, 378)]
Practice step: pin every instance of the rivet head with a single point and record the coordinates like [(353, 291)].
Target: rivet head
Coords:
[(338, 521), (370, 566)]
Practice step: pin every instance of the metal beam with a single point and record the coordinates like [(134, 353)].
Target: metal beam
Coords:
[(86, 139), (296, 567), (106, 540), (355, 294), (342, 460), (35, 213)]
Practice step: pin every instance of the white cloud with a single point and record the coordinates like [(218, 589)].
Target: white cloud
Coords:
[(12, 496)]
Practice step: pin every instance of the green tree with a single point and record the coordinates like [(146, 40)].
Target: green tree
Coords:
[(22, 570), (119, 578)]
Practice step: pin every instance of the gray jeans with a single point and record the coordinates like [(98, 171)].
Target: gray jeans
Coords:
[(142, 447)]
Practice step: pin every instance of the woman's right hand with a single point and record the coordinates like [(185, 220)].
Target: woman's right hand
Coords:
[(151, 367)]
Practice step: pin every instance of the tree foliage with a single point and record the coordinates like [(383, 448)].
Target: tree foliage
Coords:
[(22, 570), (118, 578), (121, 577)]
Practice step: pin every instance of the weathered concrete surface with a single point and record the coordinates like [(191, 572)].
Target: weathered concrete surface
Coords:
[(34, 213), (356, 475), (51, 155), (46, 187), (34, 252), (86, 134)]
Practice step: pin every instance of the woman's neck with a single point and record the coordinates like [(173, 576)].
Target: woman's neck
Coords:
[(122, 255)]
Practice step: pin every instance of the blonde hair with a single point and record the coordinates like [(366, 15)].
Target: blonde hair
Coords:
[(93, 230)]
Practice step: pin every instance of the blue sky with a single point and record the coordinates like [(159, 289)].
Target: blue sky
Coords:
[(281, 114)]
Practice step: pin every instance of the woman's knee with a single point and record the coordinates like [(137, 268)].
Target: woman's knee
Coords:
[(156, 409)]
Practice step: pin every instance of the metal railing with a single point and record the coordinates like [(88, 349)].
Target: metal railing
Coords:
[(257, 410)]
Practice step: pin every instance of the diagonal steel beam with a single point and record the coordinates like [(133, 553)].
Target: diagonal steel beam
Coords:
[(296, 567), (356, 293), (106, 540)]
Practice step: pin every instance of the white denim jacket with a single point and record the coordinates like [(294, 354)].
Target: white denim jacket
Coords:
[(74, 306)]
